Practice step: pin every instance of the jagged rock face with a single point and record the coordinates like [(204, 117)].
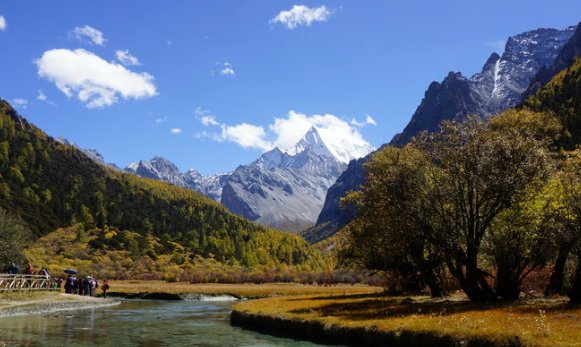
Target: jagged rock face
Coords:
[(210, 185), (353, 176), (162, 169), (451, 99), (284, 190), (499, 86), (570, 51), (511, 74), (91, 153), (158, 168)]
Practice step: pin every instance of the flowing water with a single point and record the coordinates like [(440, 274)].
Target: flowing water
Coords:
[(138, 323)]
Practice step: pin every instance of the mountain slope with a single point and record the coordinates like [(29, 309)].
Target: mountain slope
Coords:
[(497, 87), (562, 96), (284, 190), (52, 185), (500, 85), (164, 170), (570, 51)]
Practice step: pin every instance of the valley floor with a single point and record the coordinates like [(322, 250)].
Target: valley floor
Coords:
[(376, 319), (245, 290)]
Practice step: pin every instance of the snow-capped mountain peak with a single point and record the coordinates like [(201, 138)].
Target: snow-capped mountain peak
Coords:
[(285, 189), (312, 141), (321, 142), (345, 150)]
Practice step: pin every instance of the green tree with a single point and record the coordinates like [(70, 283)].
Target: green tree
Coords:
[(561, 96), (521, 239), (15, 237), (567, 216), (477, 170), (392, 225)]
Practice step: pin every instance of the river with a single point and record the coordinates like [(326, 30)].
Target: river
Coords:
[(138, 323)]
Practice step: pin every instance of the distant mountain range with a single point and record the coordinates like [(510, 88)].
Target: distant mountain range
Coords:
[(51, 185), (283, 189), (529, 60), (164, 170)]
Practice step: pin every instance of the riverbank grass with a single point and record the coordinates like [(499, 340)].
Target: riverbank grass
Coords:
[(529, 323), (245, 290)]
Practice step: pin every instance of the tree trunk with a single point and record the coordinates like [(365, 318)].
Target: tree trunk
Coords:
[(575, 294), (507, 283), (435, 284), (472, 281), (555, 285)]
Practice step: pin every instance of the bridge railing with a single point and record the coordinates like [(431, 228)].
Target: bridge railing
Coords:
[(18, 282)]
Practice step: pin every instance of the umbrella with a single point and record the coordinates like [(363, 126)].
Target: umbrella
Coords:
[(71, 271)]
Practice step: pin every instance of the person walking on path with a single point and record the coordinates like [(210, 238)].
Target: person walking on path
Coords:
[(105, 287)]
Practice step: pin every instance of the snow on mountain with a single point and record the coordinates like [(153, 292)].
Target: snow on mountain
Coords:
[(210, 185), (326, 144), (504, 78), (499, 86), (162, 169), (285, 189), (282, 189)]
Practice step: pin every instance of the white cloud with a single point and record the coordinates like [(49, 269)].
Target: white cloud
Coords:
[(209, 120), (96, 82), (19, 102), (205, 117), (161, 120), (245, 135), (368, 121), (300, 15), (41, 96), (175, 131), (3, 24), (224, 69), (86, 32), (126, 58), (227, 71), (343, 139)]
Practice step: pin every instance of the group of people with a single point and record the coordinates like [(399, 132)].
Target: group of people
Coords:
[(86, 285), (13, 269), (74, 284)]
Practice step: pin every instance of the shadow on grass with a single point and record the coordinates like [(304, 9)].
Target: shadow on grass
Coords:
[(373, 306)]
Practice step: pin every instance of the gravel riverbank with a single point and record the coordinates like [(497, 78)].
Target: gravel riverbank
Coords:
[(51, 303)]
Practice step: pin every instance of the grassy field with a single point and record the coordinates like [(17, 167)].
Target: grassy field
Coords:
[(535, 323), (238, 290)]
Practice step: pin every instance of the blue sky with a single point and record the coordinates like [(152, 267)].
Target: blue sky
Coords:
[(211, 85)]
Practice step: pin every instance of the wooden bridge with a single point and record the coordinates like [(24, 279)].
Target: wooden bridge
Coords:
[(10, 282)]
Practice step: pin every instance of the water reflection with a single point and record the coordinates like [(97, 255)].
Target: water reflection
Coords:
[(137, 323)]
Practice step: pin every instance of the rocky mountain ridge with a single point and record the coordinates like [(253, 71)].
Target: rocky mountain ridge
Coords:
[(501, 84), (164, 170)]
